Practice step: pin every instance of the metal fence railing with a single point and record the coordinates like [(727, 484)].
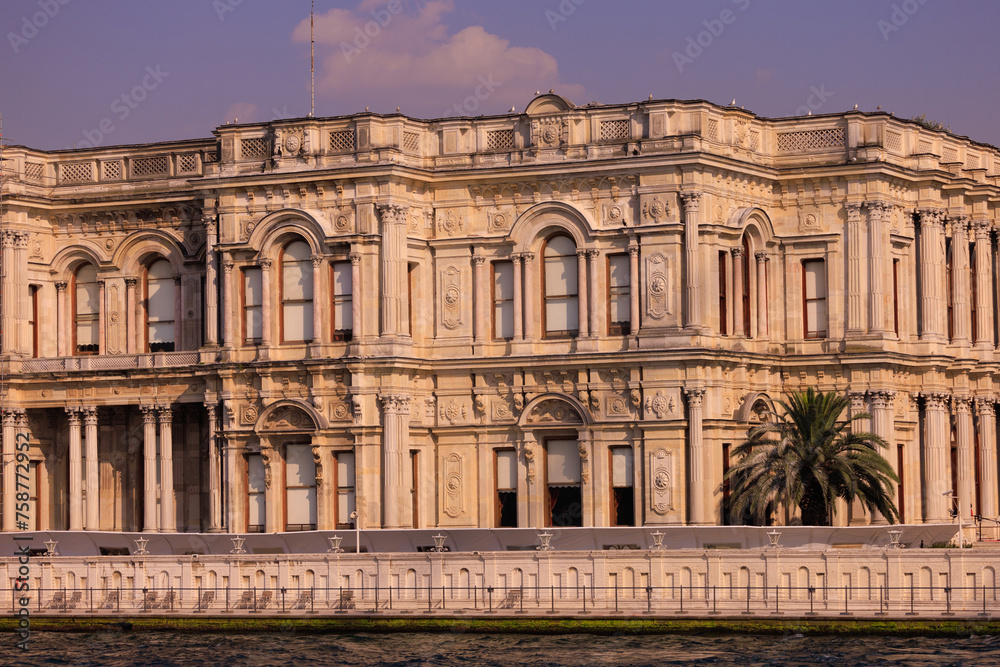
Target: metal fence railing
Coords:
[(679, 600)]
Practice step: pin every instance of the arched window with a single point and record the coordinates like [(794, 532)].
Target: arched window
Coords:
[(86, 310), (160, 306), (560, 288), (296, 293)]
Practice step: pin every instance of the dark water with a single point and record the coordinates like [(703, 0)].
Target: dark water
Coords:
[(167, 648)]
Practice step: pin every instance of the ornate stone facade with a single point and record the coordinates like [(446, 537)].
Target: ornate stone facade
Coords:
[(562, 317)]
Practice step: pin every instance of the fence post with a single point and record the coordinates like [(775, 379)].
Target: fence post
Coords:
[(911, 612), (443, 607), (777, 600), (682, 600), (947, 598), (846, 596), (649, 599), (983, 612), (489, 590), (552, 597), (715, 600), (282, 600), (118, 603), (585, 597), (144, 591), (812, 610), (616, 595), (428, 594)]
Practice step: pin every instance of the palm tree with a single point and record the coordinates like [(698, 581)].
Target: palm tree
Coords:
[(808, 457)]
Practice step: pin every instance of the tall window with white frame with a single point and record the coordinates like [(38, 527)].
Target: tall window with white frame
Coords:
[(619, 315), (33, 322), (300, 487), (296, 293), (342, 289), (814, 298), (563, 482), (160, 306), (622, 493), (253, 319), (560, 283), (503, 300), (256, 489), (344, 483), (86, 310), (506, 488)]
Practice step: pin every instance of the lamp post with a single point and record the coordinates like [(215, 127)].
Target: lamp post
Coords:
[(50, 547), (357, 530), (334, 544), (894, 536), (773, 536), (238, 545), (544, 538), (958, 513), (140, 546), (439, 543), (658, 540)]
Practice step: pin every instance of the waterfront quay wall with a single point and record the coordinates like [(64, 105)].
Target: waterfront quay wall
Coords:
[(822, 582)]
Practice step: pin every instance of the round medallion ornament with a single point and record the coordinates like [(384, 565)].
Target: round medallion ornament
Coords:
[(658, 285), (657, 209), (341, 222), (499, 221), (340, 411), (452, 412), (661, 480), (550, 134), (454, 483), (615, 212), (292, 143), (451, 295)]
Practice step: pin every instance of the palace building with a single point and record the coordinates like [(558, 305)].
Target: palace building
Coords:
[(562, 317)]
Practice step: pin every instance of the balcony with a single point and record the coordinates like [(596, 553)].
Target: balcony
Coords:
[(116, 362)]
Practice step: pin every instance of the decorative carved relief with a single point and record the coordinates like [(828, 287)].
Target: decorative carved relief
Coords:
[(498, 221), (584, 463), (501, 410), (529, 458), (454, 505), (356, 408), (655, 210), (657, 287), (549, 133), (449, 222), (454, 411), (662, 483), (451, 297), (288, 418), (248, 415), (553, 412), (340, 412), (265, 454), (617, 407)]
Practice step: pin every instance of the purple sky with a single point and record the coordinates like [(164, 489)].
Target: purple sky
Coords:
[(186, 66)]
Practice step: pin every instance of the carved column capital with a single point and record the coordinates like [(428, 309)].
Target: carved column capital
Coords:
[(392, 213), (858, 402), (317, 260), (148, 414), (131, 282), (737, 253), (62, 284), (695, 396), (690, 201), (878, 209), (227, 266), (935, 400), (593, 254), (633, 251), (478, 260), (528, 256), (355, 258), (960, 403), (882, 399), (265, 264), (395, 403), (985, 406), (930, 217), (89, 416), (761, 257), (516, 258), (73, 413), (165, 415)]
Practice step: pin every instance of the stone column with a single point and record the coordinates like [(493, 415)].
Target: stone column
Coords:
[(581, 285), (168, 518), (234, 486), (10, 302), (933, 310), (633, 289), (130, 322), (884, 425), (357, 296), (63, 339), (858, 406), (23, 339), (214, 472), (762, 327), (101, 319), (986, 417), (855, 272), (266, 302), (692, 286), (596, 326), (965, 463), (530, 314), (936, 454), (395, 294), (179, 342), (320, 299), (227, 303), (879, 213), (518, 297), (395, 451), (984, 289), (211, 286), (696, 451), (75, 471), (739, 327), (149, 522), (9, 470), (481, 302), (93, 521), (961, 289)]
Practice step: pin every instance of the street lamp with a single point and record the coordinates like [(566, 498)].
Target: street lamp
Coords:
[(658, 540), (773, 536), (238, 545), (334, 544), (50, 547), (140, 546), (544, 538), (894, 536), (439, 543), (958, 513), (357, 530)]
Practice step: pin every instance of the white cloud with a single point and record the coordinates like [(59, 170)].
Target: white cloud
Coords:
[(402, 53)]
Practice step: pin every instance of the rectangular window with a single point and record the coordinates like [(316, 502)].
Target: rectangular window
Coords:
[(411, 269), (255, 494), (814, 298), (252, 305), (86, 307), (727, 519), (562, 314), (723, 301), (503, 300), (33, 519), (343, 301), (900, 494), (344, 483), (895, 296), (619, 308), (506, 484), (972, 282), (562, 466), (300, 488), (622, 493), (950, 285), (414, 489), (33, 322)]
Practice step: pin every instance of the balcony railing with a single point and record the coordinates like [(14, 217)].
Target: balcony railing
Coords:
[(109, 362)]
